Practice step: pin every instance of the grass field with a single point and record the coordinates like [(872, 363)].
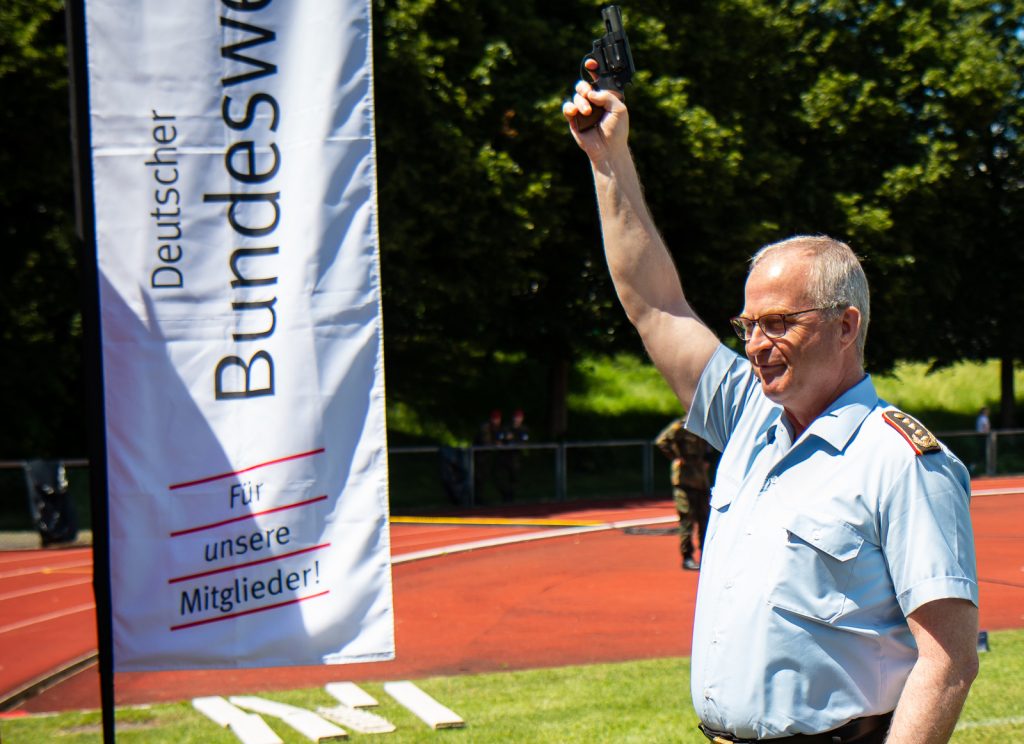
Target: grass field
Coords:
[(948, 398), (644, 701)]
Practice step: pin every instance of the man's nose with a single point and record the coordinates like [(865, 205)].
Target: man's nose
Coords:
[(757, 342)]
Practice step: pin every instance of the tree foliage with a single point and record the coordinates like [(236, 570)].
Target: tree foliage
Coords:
[(888, 124), (487, 253), (40, 322), (893, 125)]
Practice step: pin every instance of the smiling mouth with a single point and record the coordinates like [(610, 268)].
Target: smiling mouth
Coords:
[(770, 371)]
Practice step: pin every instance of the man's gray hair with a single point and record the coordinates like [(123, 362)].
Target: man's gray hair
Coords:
[(836, 280)]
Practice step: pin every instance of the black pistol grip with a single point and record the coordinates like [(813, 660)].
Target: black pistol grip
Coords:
[(590, 120)]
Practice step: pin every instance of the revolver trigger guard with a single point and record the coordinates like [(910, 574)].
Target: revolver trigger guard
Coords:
[(586, 74)]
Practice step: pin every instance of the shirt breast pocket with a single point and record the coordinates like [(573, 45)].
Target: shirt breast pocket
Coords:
[(815, 565), (722, 494)]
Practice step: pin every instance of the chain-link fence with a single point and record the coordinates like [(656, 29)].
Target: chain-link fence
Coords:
[(424, 479), (439, 477), (421, 476)]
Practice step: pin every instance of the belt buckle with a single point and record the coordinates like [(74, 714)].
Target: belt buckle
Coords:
[(714, 738)]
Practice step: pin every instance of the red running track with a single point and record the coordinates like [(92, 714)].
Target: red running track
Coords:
[(583, 598), (47, 614)]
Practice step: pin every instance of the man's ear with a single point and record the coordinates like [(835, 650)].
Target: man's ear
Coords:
[(849, 326)]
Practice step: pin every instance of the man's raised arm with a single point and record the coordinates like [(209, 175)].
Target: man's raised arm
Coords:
[(642, 269)]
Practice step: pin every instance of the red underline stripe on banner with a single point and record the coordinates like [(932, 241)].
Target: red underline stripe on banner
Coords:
[(210, 526), (233, 615), (260, 562), (188, 484)]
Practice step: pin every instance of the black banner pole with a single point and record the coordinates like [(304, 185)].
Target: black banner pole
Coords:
[(92, 357)]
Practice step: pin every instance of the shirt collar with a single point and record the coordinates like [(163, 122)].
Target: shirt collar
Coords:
[(839, 422)]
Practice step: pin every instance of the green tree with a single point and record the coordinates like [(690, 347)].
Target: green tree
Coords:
[(487, 255), (489, 233), (920, 111), (960, 203), (892, 125), (40, 324)]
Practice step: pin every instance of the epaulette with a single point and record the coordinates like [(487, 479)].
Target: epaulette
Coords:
[(919, 438)]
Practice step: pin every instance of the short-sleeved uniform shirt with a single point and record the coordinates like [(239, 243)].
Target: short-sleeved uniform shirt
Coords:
[(816, 552)]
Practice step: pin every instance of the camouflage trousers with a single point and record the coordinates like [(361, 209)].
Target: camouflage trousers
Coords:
[(694, 507)]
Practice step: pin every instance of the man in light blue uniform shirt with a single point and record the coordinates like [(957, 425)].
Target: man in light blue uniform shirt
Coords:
[(837, 601), (818, 549)]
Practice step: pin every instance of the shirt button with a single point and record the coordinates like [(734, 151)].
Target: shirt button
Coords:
[(707, 693), (816, 535)]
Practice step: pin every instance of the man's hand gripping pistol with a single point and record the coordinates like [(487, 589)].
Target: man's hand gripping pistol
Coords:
[(614, 62)]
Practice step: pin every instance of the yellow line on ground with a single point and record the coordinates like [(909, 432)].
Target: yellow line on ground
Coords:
[(509, 521)]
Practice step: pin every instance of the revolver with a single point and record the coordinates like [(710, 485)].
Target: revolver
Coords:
[(614, 62)]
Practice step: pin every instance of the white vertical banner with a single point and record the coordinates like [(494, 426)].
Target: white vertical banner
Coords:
[(236, 229)]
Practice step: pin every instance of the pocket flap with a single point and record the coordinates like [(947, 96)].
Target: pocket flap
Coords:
[(837, 538), (723, 492)]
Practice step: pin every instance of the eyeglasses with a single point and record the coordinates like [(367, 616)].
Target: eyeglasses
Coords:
[(772, 325)]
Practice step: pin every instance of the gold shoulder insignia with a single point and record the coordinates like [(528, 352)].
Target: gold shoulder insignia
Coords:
[(919, 438)]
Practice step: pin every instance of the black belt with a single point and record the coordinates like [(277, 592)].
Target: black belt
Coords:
[(849, 732)]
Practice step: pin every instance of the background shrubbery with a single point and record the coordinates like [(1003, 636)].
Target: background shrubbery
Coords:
[(895, 126)]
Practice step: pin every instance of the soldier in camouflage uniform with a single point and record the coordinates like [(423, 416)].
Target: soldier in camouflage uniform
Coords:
[(691, 486)]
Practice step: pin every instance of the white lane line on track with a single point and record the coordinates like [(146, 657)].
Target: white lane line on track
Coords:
[(49, 568), (528, 537), (995, 491), (47, 588), (47, 617)]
